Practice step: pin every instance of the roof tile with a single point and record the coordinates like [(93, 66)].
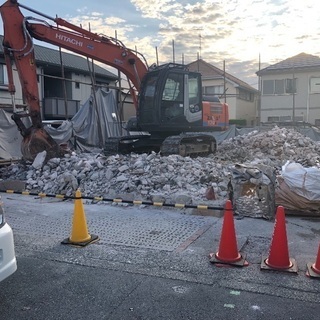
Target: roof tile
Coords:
[(208, 70), (300, 61)]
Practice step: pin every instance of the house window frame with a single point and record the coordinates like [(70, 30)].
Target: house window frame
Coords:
[(216, 90), (293, 84), (245, 95), (268, 90), (277, 87), (4, 81), (317, 79)]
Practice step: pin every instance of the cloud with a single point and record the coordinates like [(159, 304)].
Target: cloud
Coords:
[(157, 9), (230, 30)]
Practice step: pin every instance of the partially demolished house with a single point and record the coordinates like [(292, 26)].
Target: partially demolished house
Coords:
[(61, 98)]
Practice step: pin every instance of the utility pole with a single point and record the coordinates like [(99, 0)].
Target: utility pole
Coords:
[(200, 41), (259, 97), (173, 54), (200, 44), (293, 99), (224, 81), (157, 56)]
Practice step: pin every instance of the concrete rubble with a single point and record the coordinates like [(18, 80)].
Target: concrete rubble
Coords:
[(171, 179)]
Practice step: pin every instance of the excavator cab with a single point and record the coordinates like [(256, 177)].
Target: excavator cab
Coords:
[(170, 100)]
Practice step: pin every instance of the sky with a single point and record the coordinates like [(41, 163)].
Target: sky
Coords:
[(239, 32)]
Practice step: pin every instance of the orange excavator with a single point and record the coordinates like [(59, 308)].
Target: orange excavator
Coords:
[(168, 98)]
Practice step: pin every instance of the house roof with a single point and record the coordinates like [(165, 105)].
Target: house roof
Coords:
[(208, 71), (48, 56), (302, 61)]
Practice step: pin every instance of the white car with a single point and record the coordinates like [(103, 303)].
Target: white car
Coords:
[(8, 263)]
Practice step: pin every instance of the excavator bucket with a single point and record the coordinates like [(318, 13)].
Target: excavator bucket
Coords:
[(39, 140)]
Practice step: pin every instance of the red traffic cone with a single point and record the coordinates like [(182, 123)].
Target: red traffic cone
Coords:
[(279, 254), (228, 250), (313, 269)]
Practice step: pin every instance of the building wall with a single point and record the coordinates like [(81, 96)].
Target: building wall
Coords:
[(231, 101), (83, 92), (238, 108), (305, 105), (247, 110), (5, 96)]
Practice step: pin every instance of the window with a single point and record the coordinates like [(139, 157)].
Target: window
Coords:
[(291, 85), (285, 118), (273, 119), (77, 85), (245, 95), (315, 85), (173, 89), (3, 75), (281, 86), (268, 86), (150, 88), (193, 87), (213, 90)]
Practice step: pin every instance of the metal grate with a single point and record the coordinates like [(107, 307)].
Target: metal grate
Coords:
[(144, 229)]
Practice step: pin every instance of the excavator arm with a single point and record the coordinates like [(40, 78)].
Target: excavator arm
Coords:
[(19, 32)]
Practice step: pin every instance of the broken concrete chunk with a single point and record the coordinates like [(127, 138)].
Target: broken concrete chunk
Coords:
[(39, 160)]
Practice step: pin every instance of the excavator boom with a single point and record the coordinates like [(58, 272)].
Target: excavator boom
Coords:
[(18, 46)]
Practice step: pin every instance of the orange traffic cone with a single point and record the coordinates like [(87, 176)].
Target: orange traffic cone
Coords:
[(228, 253), (313, 269), (279, 254), (79, 234)]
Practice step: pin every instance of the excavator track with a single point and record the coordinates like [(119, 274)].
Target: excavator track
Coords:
[(121, 145), (189, 145), (132, 143)]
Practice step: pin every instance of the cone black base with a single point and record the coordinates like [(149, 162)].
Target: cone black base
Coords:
[(310, 273), (93, 238), (242, 262), (293, 268)]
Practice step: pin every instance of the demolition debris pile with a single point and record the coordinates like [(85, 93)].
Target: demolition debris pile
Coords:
[(273, 147), (173, 179)]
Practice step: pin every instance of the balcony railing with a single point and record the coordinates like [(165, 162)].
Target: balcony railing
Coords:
[(55, 109)]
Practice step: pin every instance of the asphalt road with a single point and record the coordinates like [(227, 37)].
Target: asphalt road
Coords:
[(150, 264)]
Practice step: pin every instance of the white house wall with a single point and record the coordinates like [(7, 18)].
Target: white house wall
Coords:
[(83, 93), (304, 105), (5, 96), (231, 101), (238, 108), (246, 110)]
